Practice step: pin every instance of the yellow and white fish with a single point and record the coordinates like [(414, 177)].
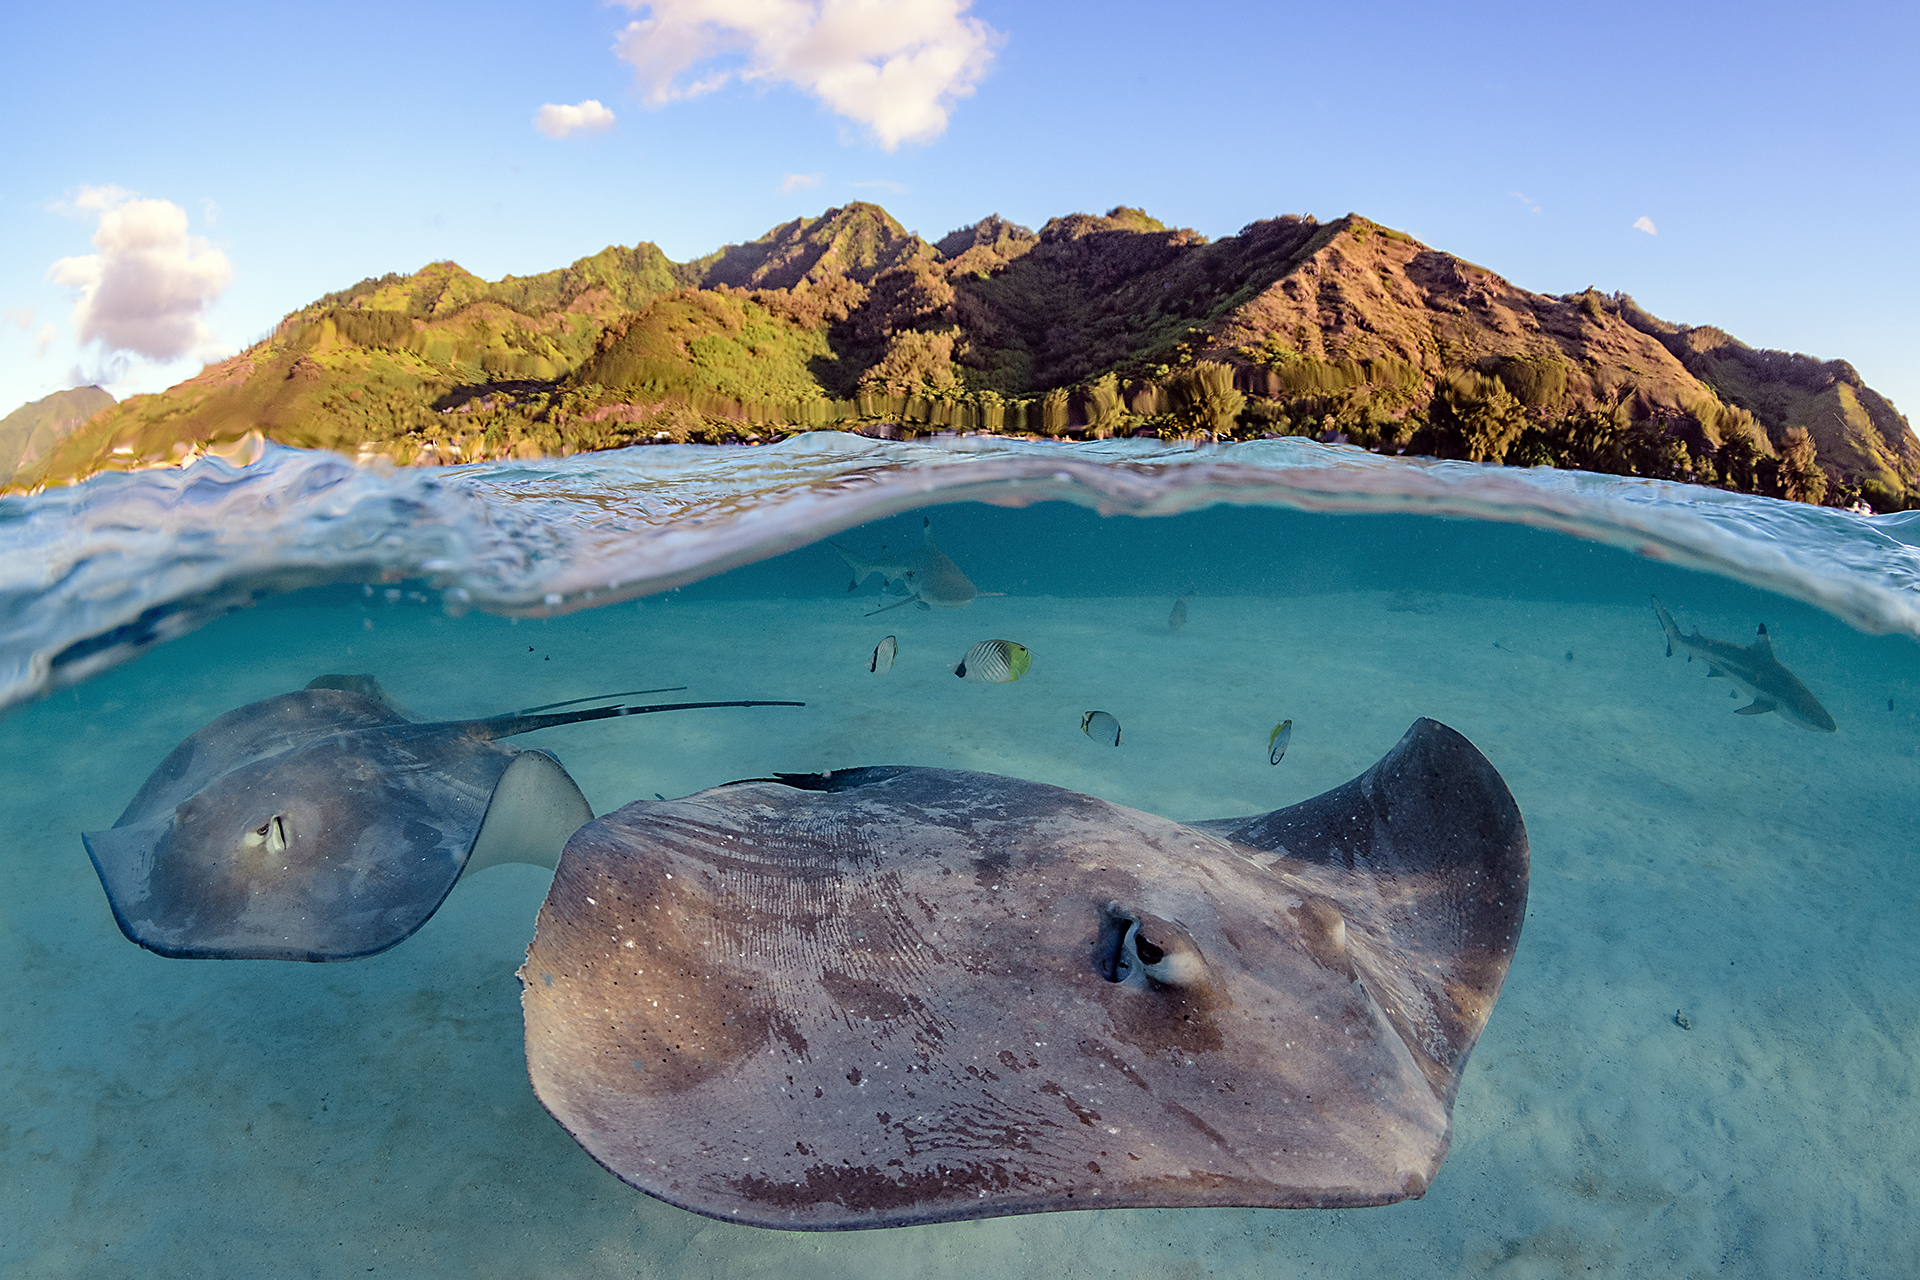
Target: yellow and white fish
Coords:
[(1277, 741), (1101, 727), (994, 662)]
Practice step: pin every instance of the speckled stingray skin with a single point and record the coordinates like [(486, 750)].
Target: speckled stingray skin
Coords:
[(901, 995)]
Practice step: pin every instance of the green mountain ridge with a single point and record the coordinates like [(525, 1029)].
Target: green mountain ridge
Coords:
[(1093, 326), (32, 431)]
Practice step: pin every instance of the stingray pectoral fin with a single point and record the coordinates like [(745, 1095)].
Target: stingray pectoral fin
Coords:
[(534, 808), (123, 858), (1433, 818), (1758, 707), (363, 685)]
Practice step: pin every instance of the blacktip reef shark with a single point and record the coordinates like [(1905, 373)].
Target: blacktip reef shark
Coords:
[(1755, 671), (927, 575)]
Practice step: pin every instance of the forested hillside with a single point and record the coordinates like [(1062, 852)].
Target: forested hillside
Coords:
[(1093, 326)]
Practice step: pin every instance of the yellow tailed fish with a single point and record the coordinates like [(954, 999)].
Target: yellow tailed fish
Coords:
[(1101, 727), (1277, 741), (883, 655), (994, 662)]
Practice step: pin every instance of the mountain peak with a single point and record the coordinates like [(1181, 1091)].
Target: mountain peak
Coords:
[(857, 241)]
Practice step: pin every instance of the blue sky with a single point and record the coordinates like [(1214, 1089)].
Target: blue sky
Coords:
[(259, 155)]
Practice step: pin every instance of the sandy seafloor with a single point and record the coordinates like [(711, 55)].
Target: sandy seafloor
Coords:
[(167, 1118)]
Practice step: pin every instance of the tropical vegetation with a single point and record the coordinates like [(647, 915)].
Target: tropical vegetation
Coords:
[(1095, 326)]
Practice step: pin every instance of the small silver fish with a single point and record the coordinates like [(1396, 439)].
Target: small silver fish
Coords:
[(1101, 727), (1277, 741), (994, 662), (883, 656), (1178, 618)]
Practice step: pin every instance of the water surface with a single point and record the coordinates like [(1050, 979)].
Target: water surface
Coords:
[(250, 1118)]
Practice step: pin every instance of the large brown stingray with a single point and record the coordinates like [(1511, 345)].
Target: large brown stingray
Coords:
[(327, 825), (899, 995)]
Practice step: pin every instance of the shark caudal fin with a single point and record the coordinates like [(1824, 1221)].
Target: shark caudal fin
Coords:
[(1667, 623), (861, 569)]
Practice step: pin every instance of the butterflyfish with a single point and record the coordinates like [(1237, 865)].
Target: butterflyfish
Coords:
[(994, 662)]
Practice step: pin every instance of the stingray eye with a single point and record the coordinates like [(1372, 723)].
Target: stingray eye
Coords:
[(270, 835), (1150, 955)]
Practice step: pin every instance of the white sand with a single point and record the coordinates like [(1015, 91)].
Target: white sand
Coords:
[(175, 1118)]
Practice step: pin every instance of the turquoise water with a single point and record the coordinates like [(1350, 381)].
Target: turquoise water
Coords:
[(247, 1118)]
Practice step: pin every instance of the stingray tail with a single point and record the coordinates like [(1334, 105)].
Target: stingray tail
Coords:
[(599, 697), (1667, 624), (519, 722)]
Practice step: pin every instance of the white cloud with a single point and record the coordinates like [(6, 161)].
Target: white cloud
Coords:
[(93, 200), (1526, 200), (895, 66), (1644, 223), (557, 120), (799, 182), (150, 284), (22, 318)]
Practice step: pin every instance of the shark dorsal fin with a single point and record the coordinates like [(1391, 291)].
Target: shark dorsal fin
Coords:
[(1761, 644)]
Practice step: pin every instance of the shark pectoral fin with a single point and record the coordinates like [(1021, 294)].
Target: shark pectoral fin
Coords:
[(1758, 707)]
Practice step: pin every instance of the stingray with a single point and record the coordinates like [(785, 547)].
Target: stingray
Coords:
[(328, 825), (895, 995)]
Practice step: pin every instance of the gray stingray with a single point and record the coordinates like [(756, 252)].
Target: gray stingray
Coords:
[(328, 825), (898, 995), (927, 575)]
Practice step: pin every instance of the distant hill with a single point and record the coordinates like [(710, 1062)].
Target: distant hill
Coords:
[(1093, 326), (29, 433)]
